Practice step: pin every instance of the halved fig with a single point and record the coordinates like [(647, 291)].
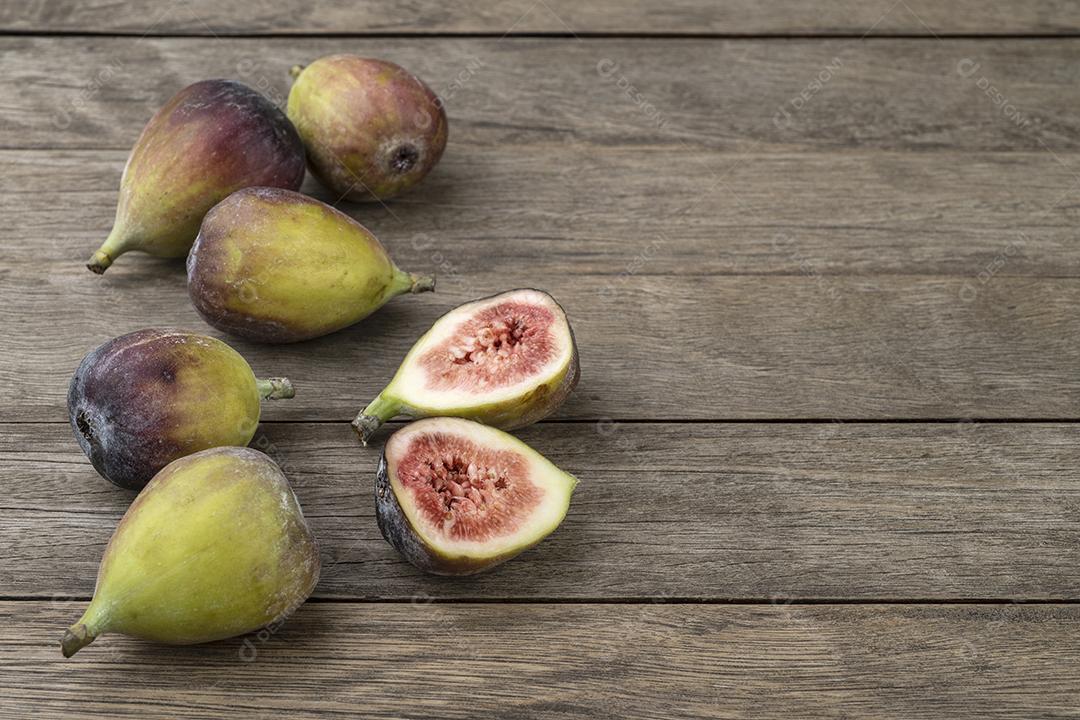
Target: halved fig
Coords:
[(506, 361), (455, 497)]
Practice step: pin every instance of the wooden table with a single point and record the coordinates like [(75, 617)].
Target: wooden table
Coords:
[(822, 262)]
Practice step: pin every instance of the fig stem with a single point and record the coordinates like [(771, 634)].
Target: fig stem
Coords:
[(421, 283), (110, 250), (295, 70), (277, 388), (99, 262), (76, 638), (373, 416)]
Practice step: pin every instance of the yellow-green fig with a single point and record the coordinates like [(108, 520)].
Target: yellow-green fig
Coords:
[(209, 139), (276, 266), (371, 128), (214, 546)]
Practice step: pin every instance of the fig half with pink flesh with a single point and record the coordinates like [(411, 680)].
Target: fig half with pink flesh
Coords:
[(506, 361), (455, 497)]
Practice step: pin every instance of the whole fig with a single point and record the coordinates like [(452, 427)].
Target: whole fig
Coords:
[(371, 129), (210, 139), (215, 546), (144, 399), (276, 266)]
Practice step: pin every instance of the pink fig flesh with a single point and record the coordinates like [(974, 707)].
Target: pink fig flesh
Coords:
[(468, 491), (496, 347)]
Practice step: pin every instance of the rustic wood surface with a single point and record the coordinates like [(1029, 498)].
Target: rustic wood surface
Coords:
[(785, 347), (808, 214), (881, 256), (423, 660), (825, 286), (720, 99), (942, 511), (739, 17)]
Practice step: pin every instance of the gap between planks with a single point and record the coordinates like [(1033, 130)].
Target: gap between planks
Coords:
[(695, 421), (541, 35), (644, 600)]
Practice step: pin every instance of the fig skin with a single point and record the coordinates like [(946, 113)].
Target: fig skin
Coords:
[(275, 266), (208, 140), (508, 414), (142, 400), (215, 546), (372, 130)]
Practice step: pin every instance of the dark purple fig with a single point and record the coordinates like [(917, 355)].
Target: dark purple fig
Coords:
[(506, 361), (276, 266), (144, 399), (210, 139), (371, 129), (455, 497)]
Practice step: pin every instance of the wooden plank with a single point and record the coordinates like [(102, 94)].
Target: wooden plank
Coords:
[(889, 347), (783, 17), (496, 208), (654, 347), (708, 95), (680, 511), (565, 661)]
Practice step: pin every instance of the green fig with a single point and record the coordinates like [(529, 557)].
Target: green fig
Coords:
[(144, 399), (210, 139), (214, 546), (506, 361), (276, 266), (456, 498), (371, 129)]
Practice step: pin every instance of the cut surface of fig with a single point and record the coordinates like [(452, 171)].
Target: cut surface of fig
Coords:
[(507, 361), (496, 347), (457, 497)]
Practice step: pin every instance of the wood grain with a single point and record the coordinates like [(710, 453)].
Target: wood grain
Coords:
[(553, 197), (655, 347), (710, 96), (687, 511), (879, 17), (564, 212), (743, 229), (565, 661)]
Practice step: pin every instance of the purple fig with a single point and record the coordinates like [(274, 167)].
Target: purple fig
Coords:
[(144, 399), (210, 139), (371, 129)]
